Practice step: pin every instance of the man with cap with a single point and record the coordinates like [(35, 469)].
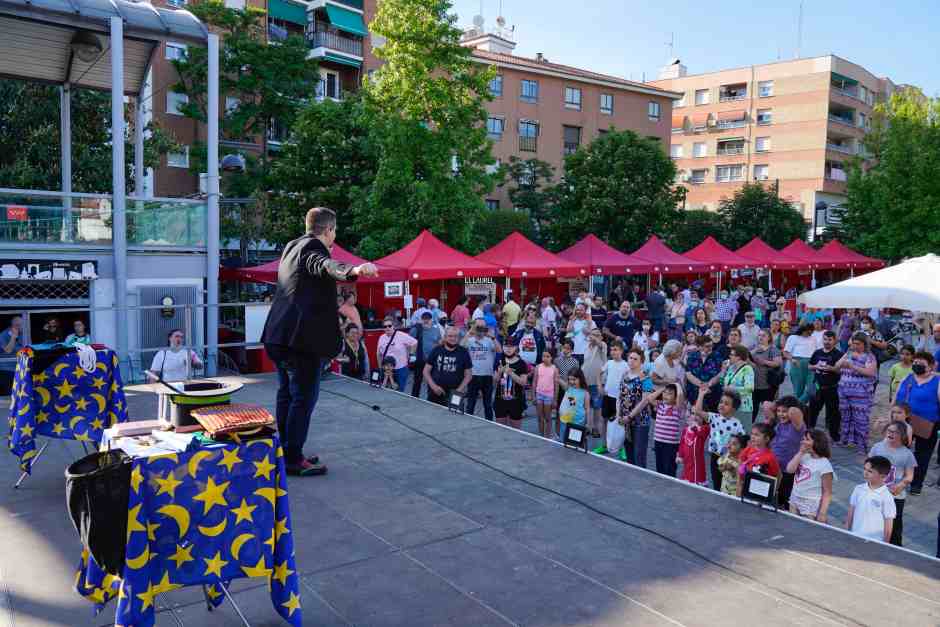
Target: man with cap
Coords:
[(483, 347), (429, 335), (749, 331), (416, 316)]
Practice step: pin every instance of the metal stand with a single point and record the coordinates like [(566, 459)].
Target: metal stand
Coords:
[(32, 465), (231, 599), (176, 618)]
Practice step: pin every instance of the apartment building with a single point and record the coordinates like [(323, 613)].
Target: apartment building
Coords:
[(546, 110), (791, 123)]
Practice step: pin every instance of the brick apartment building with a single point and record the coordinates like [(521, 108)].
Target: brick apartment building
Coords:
[(795, 123)]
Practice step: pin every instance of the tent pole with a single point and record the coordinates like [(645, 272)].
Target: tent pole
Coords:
[(813, 280), (718, 287), (770, 279), (851, 272)]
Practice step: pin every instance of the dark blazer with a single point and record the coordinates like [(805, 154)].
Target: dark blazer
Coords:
[(304, 316)]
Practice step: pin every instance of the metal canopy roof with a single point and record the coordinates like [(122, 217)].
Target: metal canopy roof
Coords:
[(35, 37)]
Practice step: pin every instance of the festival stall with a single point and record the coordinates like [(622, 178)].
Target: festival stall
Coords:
[(772, 259), (912, 285), (532, 270), (664, 260), (837, 252), (602, 259), (721, 259)]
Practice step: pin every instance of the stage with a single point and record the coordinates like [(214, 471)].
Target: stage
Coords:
[(431, 518)]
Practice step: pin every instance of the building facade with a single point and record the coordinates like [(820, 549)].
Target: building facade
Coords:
[(793, 124)]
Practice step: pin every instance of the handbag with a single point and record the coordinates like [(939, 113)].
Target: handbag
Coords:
[(921, 427), (376, 376)]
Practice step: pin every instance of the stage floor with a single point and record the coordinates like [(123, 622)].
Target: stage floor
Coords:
[(430, 518)]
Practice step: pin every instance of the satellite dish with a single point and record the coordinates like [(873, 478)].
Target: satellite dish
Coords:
[(478, 21)]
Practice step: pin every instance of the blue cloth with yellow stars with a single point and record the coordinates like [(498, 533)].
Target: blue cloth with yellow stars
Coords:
[(64, 401), (208, 515)]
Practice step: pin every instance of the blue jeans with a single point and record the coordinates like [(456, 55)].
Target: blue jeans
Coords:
[(401, 378), (298, 376), (636, 452)]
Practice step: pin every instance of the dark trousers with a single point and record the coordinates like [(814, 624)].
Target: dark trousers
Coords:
[(418, 379), (923, 450), (666, 458), (480, 384), (638, 445), (828, 398), (898, 528), (716, 473), (785, 489), (298, 377), (440, 399), (759, 396)]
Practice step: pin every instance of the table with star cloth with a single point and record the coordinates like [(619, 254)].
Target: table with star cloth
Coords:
[(63, 400), (208, 515)]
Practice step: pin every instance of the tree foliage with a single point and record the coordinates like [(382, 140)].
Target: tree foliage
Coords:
[(619, 187), (757, 211), (497, 225), (30, 152), (531, 188), (692, 227), (898, 194)]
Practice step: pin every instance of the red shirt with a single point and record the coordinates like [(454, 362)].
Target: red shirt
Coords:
[(459, 316), (759, 460), (692, 452)]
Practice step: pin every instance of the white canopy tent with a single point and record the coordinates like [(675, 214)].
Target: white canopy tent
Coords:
[(913, 285)]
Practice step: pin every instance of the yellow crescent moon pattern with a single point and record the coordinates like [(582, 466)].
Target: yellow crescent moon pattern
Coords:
[(74, 421), (140, 561), (100, 366), (213, 531), (194, 462), (43, 394), (25, 409), (101, 402), (62, 410), (266, 493), (266, 442), (59, 368), (238, 542), (179, 514)]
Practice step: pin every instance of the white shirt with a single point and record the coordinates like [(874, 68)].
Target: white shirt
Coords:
[(671, 374), (817, 337), (799, 346), (807, 483), (642, 341), (172, 363), (872, 507), (549, 317), (477, 313), (615, 371), (749, 335), (579, 334)]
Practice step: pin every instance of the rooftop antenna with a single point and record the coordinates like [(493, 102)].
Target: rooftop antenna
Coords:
[(799, 31), (671, 45)]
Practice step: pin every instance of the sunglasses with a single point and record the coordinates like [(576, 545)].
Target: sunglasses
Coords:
[(387, 326)]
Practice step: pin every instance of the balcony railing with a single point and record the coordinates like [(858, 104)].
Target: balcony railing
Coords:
[(731, 97), (840, 148), (841, 120), (323, 38), (730, 123), (848, 93), (39, 217), (528, 144), (735, 150)]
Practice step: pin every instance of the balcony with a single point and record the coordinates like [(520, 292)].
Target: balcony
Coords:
[(528, 144), (329, 88), (323, 37), (841, 120), (41, 218), (846, 149), (729, 93), (730, 151), (722, 124)]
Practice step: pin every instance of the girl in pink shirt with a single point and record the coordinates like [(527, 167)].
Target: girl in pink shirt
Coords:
[(545, 384)]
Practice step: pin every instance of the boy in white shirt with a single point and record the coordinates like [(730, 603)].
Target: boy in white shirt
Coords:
[(609, 381), (871, 508)]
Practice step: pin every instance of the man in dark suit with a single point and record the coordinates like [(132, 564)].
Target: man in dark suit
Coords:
[(302, 329)]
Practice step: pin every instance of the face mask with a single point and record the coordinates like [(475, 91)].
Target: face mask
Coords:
[(866, 327), (724, 295), (919, 369), (760, 294)]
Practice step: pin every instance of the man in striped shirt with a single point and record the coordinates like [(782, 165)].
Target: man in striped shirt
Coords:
[(725, 310)]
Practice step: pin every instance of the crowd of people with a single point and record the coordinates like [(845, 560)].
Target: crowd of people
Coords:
[(702, 377)]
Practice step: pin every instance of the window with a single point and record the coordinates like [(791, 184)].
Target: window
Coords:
[(735, 91), (175, 51), (761, 172), (765, 89), (492, 204), (680, 102), (493, 168), (231, 103), (496, 86), (675, 151), (572, 138), (494, 127), (178, 159), (762, 144), (235, 4), (727, 147), (602, 131), (528, 135), (863, 93), (725, 173), (702, 97), (862, 120), (328, 86), (572, 98), (698, 176), (700, 149), (174, 101), (653, 111), (530, 91), (607, 103), (764, 116)]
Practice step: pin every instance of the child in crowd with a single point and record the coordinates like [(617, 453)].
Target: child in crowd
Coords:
[(576, 403), (871, 507), (609, 381), (812, 486), (729, 462), (723, 425), (511, 376), (895, 449), (388, 374), (670, 406), (692, 448), (648, 365), (900, 370), (565, 363), (758, 457), (545, 387), (900, 412)]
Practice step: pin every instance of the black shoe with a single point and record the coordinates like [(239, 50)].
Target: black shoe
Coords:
[(306, 469), (314, 460), (915, 490)]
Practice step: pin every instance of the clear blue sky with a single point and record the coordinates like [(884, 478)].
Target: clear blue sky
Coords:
[(628, 37)]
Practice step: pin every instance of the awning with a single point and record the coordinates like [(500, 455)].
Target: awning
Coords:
[(699, 120), (337, 58), (665, 260), (844, 79), (267, 273), (678, 121), (428, 258), (913, 285), (288, 11), (732, 116), (524, 258), (346, 20), (601, 258), (718, 257)]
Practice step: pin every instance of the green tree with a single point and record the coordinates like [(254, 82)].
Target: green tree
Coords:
[(427, 104), (531, 187), (897, 193), (758, 211), (497, 225), (30, 148), (619, 187), (694, 225), (270, 83)]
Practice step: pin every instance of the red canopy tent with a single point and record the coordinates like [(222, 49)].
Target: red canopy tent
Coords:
[(523, 258), (267, 272), (798, 249), (664, 260), (718, 257), (427, 257), (837, 252), (600, 258), (762, 253)]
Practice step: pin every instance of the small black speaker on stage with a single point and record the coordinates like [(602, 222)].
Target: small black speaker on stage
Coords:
[(760, 488), (575, 436)]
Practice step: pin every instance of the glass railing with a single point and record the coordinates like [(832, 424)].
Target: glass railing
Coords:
[(41, 217)]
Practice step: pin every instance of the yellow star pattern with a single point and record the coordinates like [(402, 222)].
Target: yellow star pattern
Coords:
[(182, 555), (147, 597), (264, 468), (280, 528), (229, 458), (282, 572), (258, 570), (165, 585), (81, 404), (136, 478), (109, 581), (293, 603), (114, 387), (79, 372), (39, 378), (243, 512), (212, 495), (97, 596), (42, 417), (212, 592), (65, 389), (58, 428), (132, 523), (151, 531), (98, 383), (168, 485), (96, 423), (26, 431), (82, 437), (270, 540), (215, 565)]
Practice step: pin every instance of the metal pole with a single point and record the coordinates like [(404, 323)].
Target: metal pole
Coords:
[(140, 173), (65, 146), (119, 197), (212, 226)]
